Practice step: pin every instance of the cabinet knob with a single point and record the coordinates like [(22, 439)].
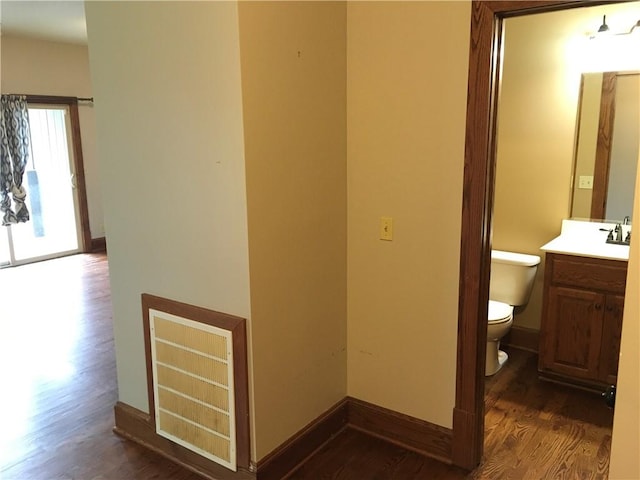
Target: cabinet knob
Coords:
[(598, 306)]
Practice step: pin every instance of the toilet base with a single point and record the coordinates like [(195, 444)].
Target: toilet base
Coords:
[(495, 358)]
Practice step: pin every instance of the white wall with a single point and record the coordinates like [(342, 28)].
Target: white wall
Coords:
[(38, 67), (166, 79)]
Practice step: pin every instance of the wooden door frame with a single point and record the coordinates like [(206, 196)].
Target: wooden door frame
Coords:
[(603, 145), (78, 161), (485, 56)]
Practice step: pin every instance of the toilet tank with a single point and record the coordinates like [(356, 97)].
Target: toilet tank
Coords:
[(512, 276)]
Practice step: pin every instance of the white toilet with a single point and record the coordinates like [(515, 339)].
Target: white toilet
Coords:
[(512, 276)]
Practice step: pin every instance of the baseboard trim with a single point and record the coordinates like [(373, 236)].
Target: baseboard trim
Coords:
[(292, 454), (408, 432), (98, 245), (523, 338), (465, 426), (136, 425)]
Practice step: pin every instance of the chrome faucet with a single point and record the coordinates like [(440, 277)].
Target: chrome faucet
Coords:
[(618, 231), (616, 234)]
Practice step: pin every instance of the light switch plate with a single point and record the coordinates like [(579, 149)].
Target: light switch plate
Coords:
[(386, 228)]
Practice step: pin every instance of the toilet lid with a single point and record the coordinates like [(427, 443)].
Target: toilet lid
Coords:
[(499, 312)]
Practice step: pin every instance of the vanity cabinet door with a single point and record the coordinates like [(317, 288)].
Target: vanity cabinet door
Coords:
[(573, 332), (611, 333), (581, 320)]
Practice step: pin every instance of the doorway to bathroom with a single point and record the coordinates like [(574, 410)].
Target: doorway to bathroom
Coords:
[(51, 182), (481, 172), (536, 160)]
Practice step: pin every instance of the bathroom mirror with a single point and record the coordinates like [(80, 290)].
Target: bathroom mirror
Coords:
[(606, 151)]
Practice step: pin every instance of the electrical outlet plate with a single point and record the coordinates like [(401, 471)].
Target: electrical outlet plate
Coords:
[(585, 182)]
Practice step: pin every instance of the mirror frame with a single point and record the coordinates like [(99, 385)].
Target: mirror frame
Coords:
[(477, 208), (603, 146), (605, 142)]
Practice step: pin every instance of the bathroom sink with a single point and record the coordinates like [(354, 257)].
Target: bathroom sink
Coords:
[(587, 239)]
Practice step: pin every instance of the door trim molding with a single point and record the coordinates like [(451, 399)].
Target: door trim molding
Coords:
[(477, 207)]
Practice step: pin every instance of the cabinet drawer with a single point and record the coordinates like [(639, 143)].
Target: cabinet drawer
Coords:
[(591, 273)]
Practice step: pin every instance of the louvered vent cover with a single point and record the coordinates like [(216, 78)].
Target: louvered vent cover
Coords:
[(192, 367)]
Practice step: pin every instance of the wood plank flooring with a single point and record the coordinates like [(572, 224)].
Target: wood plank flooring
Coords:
[(540, 430), (57, 371), (533, 431)]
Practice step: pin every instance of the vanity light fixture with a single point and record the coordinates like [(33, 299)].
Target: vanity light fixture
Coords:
[(605, 30), (636, 25)]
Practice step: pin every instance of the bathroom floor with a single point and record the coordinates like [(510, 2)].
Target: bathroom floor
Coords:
[(536, 429)]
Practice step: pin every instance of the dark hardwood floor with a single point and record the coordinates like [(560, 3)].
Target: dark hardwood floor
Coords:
[(57, 371), (541, 430), (533, 430)]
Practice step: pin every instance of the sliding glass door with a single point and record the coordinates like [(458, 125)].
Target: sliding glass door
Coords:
[(54, 226)]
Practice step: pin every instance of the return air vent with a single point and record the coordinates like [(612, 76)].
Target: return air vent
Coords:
[(193, 385)]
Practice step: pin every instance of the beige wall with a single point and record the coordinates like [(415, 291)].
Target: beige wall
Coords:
[(625, 462), (407, 84), (166, 79), (536, 125), (172, 144), (294, 94), (51, 68)]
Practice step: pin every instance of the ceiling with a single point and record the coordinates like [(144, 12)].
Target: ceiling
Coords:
[(53, 20), (64, 20)]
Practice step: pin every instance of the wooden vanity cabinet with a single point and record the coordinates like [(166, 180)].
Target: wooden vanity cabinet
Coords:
[(581, 320)]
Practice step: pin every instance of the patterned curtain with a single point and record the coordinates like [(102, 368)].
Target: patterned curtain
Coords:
[(14, 154)]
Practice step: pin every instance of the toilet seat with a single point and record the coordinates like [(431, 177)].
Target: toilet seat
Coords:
[(499, 312)]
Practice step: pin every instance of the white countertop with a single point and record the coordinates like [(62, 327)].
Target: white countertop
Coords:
[(584, 239)]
